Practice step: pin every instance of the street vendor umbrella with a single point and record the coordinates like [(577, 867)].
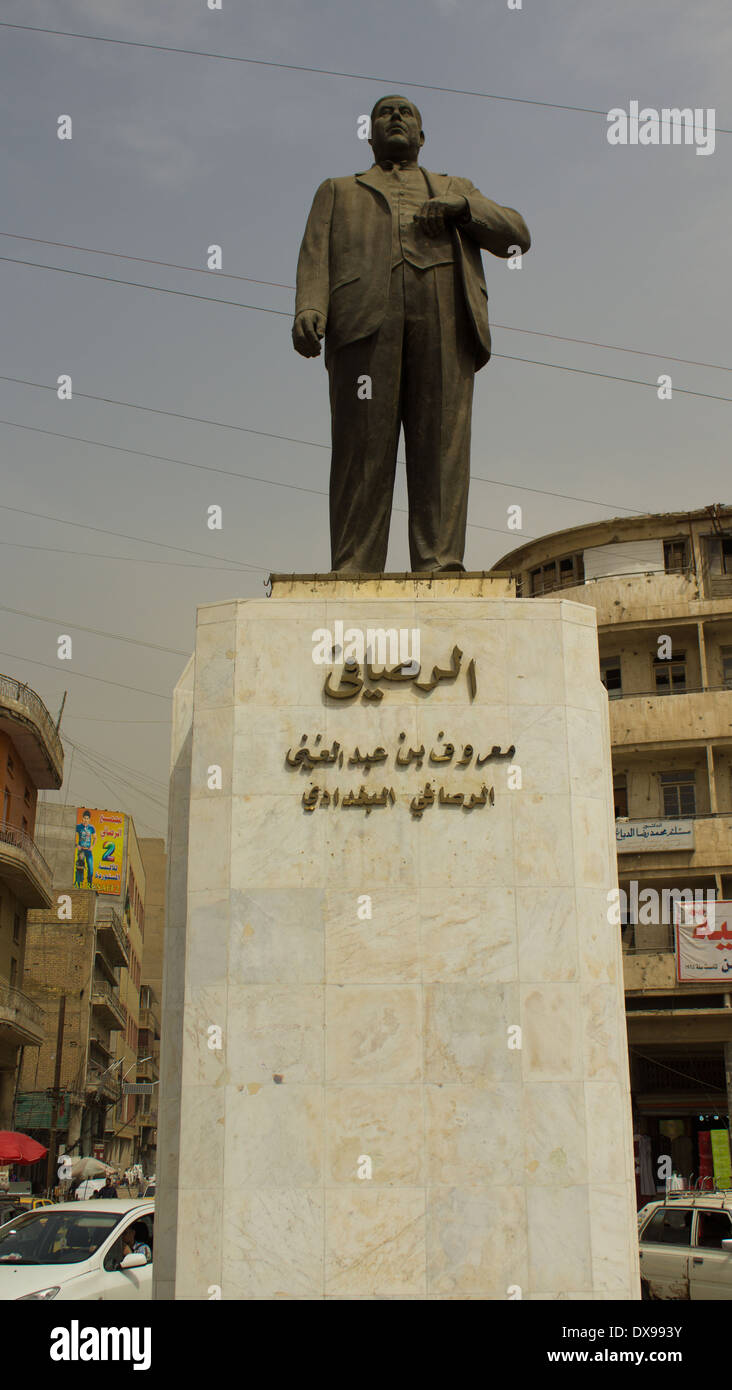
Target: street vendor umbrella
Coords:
[(19, 1148), (88, 1168)]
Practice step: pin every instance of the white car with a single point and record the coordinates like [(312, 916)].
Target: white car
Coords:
[(686, 1246), (73, 1251)]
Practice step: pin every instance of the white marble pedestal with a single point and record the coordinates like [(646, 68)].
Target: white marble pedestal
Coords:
[(394, 1058)]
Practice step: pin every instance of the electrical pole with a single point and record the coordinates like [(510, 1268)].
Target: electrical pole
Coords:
[(51, 1167)]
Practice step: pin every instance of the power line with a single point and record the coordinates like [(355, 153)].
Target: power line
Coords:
[(122, 535), (298, 487), (114, 762), (319, 72), (127, 559), (92, 719), (84, 675), (138, 285), (146, 260), (276, 284), (96, 631)]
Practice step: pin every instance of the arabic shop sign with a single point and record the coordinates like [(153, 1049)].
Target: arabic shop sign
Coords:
[(704, 941), (656, 836), (315, 759)]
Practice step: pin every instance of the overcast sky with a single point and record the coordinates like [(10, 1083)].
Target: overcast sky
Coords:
[(172, 153)]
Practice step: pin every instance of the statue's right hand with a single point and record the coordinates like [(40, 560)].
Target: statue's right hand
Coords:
[(307, 330)]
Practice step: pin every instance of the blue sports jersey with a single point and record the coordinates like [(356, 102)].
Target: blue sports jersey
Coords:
[(85, 833)]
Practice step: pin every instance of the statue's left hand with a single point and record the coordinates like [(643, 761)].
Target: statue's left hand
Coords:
[(433, 214)]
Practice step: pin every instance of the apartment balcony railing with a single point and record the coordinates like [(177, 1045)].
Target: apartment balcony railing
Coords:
[(112, 936), (148, 1070), (33, 731), (22, 1017), (23, 867), (108, 1005), (149, 1018), (681, 716), (102, 1085)]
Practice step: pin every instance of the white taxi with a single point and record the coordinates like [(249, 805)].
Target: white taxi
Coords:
[(80, 1251), (686, 1246)]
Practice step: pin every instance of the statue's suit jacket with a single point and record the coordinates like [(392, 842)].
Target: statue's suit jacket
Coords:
[(345, 258)]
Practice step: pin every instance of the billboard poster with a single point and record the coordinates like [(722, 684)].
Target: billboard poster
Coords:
[(704, 941), (98, 850)]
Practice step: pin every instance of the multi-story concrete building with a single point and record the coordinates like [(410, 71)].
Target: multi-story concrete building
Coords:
[(75, 951), (31, 757), (116, 951), (662, 590), (148, 1071)]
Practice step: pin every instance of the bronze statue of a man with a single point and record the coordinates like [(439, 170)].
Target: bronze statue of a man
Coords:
[(390, 272)]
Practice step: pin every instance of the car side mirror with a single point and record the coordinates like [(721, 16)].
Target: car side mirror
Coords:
[(133, 1260), (727, 1245)]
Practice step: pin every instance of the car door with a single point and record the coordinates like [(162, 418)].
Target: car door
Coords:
[(711, 1266), (120, 1285), (665, 1251)]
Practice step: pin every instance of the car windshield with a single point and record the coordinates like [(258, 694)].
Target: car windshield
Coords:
[(52, 1237)]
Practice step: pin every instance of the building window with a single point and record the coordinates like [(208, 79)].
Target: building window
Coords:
[(727, 555), (620, 795), (726, 655), (670, 676), (24, 825), (27, 796), (13, 972), (679, 793), (11, 765), (611, 674), (6, 806), (558, 574), (16, 928), (674, 556)]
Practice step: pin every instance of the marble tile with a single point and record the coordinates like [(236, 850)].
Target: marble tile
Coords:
[(372, 1032), (384, 1124), (558, 1239), (473, 1135), (375, 1242), (547, 935), (551, 1038), (476, 1241), (272, 1243), (466, 1033), (273, 1137), (372, 937), (274, 1030), (554, 1144), (468, 935), (276, 936)]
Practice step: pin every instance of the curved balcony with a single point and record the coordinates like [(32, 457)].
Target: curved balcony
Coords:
[(27, 722), (23, 867), (639, 720), (21, 1019)]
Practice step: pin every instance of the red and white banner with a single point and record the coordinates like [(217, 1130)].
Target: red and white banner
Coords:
[(704, 941)]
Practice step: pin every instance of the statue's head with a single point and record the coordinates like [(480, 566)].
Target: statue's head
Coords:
[(396, 129)]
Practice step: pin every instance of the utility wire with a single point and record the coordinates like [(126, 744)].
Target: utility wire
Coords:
[(95, 631), (319, 72), (139, 285), (122, 535), (298, 487), (127, 559), (84, 675), (275, 284)]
